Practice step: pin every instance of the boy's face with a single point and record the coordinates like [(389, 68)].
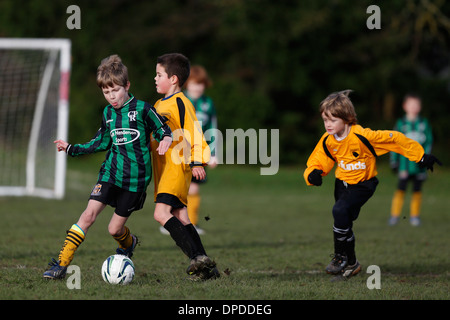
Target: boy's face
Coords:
[(116, 95), (162, 80), (195, 89), (333, 125), (412, 107)]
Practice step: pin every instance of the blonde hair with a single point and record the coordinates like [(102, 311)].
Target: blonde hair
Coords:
[(339, 105), (199, 75), (112, 71)]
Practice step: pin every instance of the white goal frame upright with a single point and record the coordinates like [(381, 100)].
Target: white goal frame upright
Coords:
[(55, 47)]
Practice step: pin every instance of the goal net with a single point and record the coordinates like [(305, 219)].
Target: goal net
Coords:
[(34, 88)]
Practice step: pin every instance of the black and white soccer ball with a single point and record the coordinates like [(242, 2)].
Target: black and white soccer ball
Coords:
[(118, 269)]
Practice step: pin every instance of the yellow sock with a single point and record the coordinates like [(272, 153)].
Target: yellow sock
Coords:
[(397, 203), (75, 236), (125, 240), (193, 207), (416, 203)]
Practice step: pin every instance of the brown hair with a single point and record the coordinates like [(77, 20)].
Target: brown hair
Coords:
[(175, 64), (199, 75), (339, 105), (112, 71)]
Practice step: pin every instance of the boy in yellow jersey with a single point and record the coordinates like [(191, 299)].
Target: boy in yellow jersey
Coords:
[(186, 157), (355, 150)]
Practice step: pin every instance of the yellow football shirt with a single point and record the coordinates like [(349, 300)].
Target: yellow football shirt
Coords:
[(355, 162), (172, 171)]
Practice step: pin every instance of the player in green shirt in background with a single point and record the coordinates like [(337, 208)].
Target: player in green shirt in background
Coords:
[(417, 128), (205, 111)]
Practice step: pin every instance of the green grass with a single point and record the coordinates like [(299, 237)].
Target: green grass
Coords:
[(271, 233)]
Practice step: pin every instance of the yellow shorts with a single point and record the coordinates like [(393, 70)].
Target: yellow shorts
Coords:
[(170, 178)]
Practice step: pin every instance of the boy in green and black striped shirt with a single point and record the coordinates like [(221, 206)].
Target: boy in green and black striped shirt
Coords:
[(126, 172)]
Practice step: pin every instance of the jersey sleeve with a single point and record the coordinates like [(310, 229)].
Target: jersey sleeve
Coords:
[(100, 142), (394, 157), (384, 141), (318, 160), (200, 151), (428, 137), (157, 124)]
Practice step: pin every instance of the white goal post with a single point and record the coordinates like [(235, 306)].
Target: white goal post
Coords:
[(34, 111)]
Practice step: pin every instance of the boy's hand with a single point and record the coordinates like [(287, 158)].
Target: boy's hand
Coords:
[(428, 160), (212, 162), (198, 172), (61, 145), (164, 145), (315, 177)]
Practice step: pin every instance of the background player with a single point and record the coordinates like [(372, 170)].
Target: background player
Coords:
[(205, 111), (418, 128)]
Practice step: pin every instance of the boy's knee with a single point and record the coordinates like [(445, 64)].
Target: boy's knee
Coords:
[(162, 213), (341, 216), (115, 231), (338, 212)]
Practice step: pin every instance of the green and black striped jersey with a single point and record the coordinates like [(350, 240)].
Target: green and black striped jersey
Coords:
[(125, 135), (205, 112), (418, 130)]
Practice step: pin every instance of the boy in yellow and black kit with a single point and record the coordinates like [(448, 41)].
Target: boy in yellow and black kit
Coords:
[(355, 150), (186, 157)]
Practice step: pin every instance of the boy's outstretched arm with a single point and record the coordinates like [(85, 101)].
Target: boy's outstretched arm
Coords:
[(61, 145)]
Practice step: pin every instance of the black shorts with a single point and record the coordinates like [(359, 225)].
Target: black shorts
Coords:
[(349, 200), (170, 200), (124, 201)]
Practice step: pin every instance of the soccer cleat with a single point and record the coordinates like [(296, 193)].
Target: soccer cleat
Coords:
[(393, 221), (337, 264), (209, 273), (202, 268), (352, 270), (347, 272), (415, 221), (55, 271), (129, 251)]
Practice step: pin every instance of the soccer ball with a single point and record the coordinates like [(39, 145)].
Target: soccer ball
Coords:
[(118, 269)]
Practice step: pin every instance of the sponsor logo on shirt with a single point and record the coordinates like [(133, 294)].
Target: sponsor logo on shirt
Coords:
[(124, 136), (352, 166)]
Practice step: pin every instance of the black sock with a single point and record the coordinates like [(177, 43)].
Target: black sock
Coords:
[(182, 237), (350, 250), (339, 242), (195, 236)]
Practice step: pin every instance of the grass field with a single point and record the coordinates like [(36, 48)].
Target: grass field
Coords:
[(272, 235)]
